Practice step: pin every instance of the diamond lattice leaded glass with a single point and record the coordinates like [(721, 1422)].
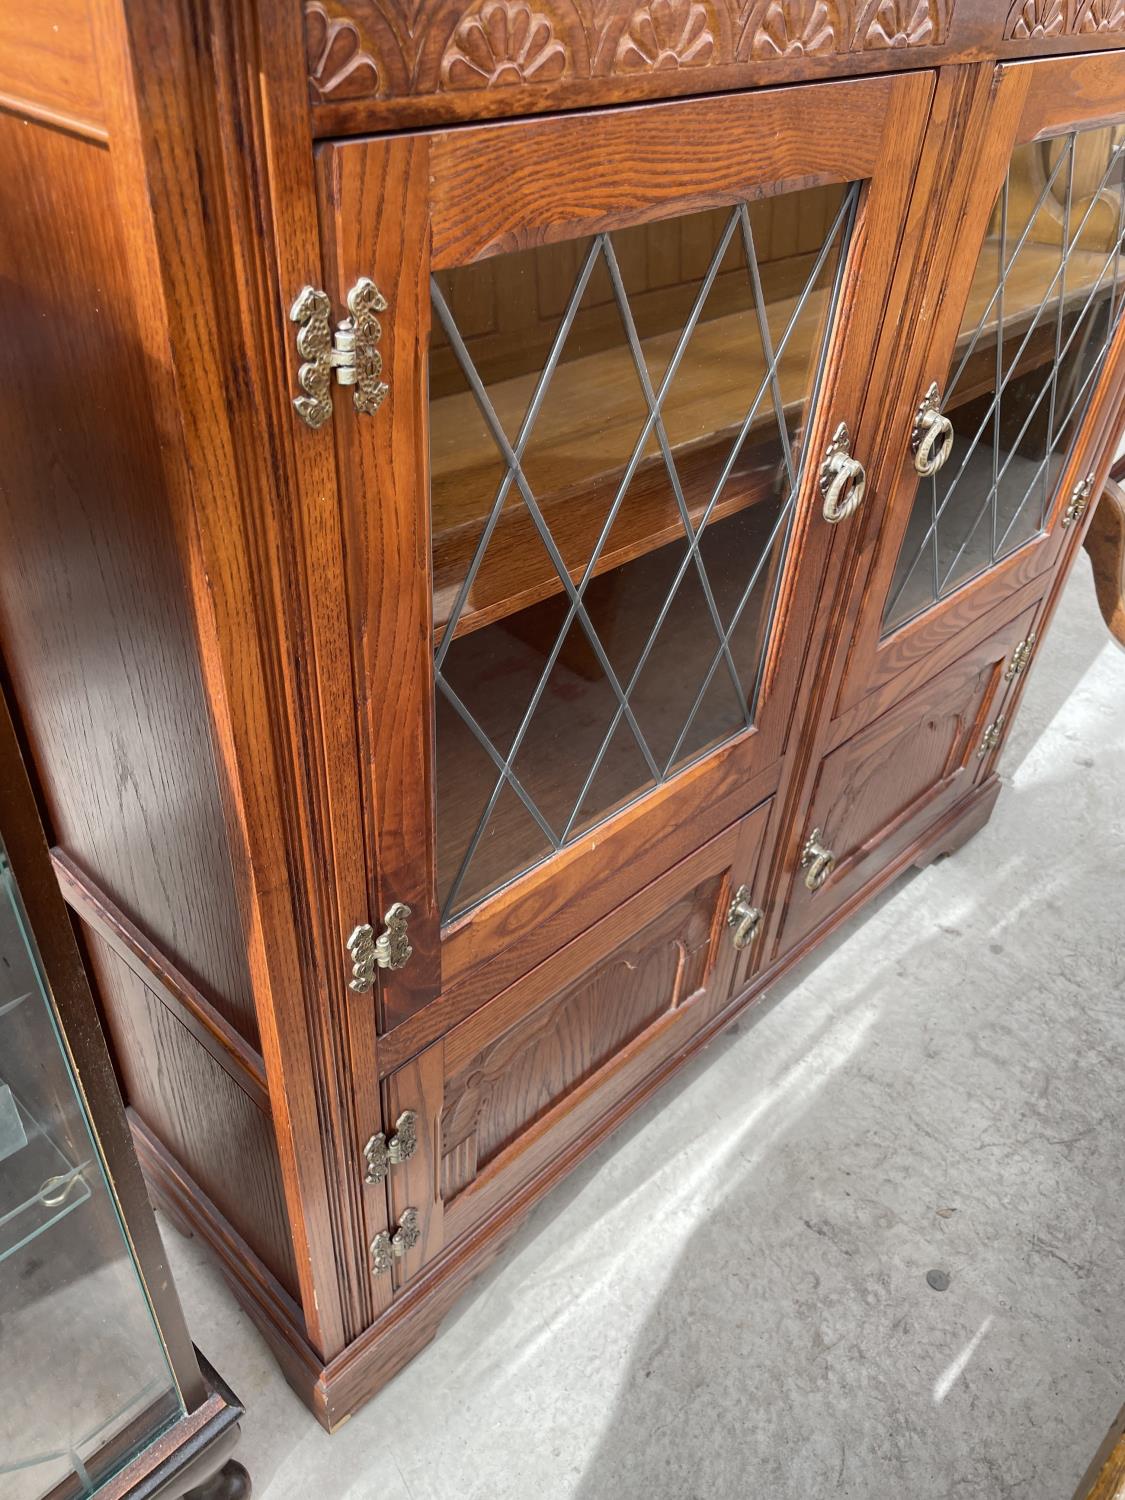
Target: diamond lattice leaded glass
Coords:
[(1045, 299), (616, 444)]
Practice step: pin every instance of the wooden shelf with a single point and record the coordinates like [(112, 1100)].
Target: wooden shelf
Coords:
[(593, 415), (583, 437), (496, 671), (1023, 293)]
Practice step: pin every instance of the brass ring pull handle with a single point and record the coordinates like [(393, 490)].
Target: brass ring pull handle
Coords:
[(743, 919), (817, 861), (932, 439), (843, 478)]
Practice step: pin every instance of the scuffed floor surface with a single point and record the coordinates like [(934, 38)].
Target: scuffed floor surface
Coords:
[(730, 1298)]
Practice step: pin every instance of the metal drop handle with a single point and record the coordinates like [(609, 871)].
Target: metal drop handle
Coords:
[(843, 479), (817, 861), (932, 439), (743, 919)]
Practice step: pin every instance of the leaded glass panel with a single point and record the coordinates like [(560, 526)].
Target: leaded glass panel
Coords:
[(1045, 299), (616, 443)]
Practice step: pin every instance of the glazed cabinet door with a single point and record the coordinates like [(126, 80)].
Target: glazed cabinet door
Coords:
[(1007, 375), (588, 524)]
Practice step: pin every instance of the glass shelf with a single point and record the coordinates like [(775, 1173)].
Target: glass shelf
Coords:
[(39, 1184)]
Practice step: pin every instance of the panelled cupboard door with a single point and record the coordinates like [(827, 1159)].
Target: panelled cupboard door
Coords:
[(506, 1100), (586, 526), (882, 789), (1000, 426)]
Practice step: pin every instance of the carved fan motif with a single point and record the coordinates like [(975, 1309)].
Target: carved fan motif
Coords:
[(792, 28), (504, 42), (1102, 15), (666, 34), (339, 68), (902, 23), (1036, 18)]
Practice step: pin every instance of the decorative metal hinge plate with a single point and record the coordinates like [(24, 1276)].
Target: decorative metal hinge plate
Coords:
[(991, 737), (352, 351), (1079, 500), (382, 1154), (387, 1248), (390, 950), (1020, 658)]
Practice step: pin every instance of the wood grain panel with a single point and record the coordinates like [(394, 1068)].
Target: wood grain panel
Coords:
[(197, 1111), (94, 620), (154, 971), (875, 793), (506, 187), (378, 227), (510, 1083), (48, 64)]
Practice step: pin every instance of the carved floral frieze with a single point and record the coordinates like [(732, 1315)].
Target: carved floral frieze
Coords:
[(380, 49), (1055, 18)]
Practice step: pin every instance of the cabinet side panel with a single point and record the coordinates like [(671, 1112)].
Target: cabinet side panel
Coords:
[(197, 1112), (95, 624)]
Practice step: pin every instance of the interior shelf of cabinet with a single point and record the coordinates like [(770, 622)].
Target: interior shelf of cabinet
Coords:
[(1024, 296), (580, 446)]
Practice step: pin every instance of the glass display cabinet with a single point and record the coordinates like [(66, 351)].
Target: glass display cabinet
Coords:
[(101, 1391)]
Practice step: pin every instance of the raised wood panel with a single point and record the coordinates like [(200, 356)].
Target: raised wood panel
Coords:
[(48, 64), (874, 794), (511, 1087), (507, 1085), (95, 626), (197, 1111)]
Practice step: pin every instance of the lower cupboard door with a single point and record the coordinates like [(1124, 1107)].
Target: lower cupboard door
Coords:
[(888, 784), (513, 1096)]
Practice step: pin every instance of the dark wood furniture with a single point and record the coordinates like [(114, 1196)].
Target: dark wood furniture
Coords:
[(583, 593), (100, 1387), (1105, 542)]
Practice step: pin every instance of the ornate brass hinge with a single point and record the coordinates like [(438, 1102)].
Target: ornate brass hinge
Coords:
[(390, 950), (1079, 500), (387, 1248), (352, 350), (1020, 658), (382, 1154), (991, 737)]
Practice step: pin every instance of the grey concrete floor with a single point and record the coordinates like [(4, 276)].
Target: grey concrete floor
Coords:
[(729, 1299)]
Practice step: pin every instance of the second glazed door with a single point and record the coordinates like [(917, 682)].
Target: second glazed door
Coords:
[(591, 522), (992, 446)]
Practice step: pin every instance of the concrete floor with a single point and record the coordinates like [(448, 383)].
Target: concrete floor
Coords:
[(730, 1299)]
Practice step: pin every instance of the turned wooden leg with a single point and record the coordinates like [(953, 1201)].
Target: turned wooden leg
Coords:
[(230, 1483), (1105, 542)]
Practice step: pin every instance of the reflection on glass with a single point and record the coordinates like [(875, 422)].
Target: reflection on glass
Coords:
[(1045, 299), (616, 440), (84, 1382)]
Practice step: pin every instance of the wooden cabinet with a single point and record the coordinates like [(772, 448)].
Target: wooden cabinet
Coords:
[(462, 542)]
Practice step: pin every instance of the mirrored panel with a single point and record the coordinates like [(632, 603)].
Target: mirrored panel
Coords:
[(1045, 300), (616, 441)]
